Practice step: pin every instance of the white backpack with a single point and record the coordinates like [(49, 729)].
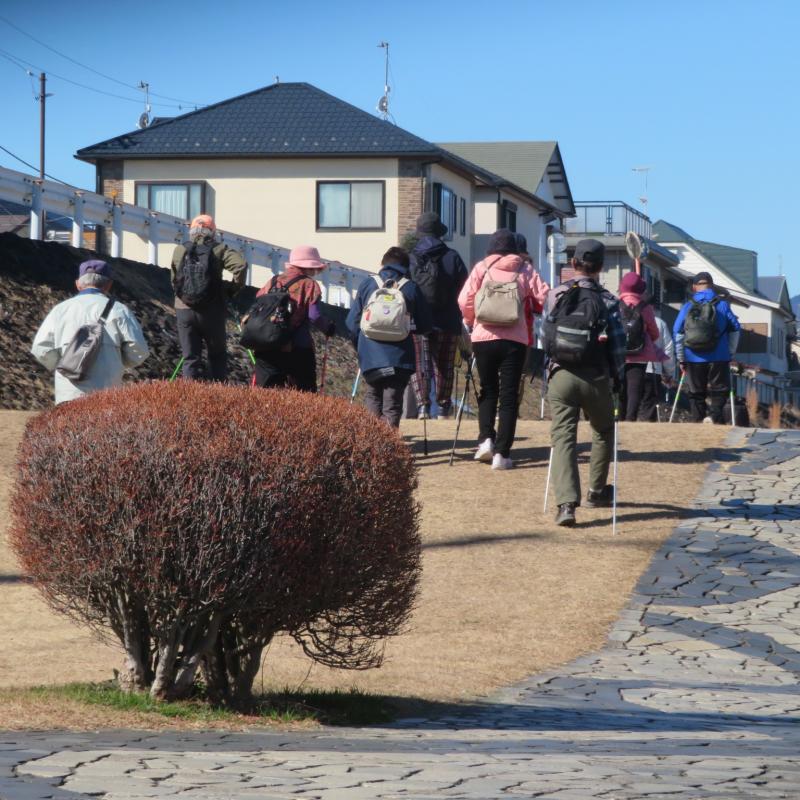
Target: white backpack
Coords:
[(385, 317)]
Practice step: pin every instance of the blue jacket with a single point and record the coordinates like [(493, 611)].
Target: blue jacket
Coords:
[(727, 324), (452, 272), (378, 355)]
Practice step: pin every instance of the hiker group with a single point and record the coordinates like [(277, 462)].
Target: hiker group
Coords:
[(606, 357)]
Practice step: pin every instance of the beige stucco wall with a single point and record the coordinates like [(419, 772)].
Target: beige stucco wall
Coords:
[(274, 200), (462, 188)]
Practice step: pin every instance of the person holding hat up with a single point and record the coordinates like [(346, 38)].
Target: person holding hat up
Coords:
[(201, 298), (122, 344), (295, 366), (706, 334), (439, 273)]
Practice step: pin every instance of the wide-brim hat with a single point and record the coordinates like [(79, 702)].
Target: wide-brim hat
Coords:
[(305, 257), (430, 224)]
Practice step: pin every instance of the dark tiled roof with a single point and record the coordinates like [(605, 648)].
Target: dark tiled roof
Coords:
[(771, 287), (292, 119)]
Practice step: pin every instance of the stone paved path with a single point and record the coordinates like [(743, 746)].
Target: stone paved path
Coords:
[(695, 695)]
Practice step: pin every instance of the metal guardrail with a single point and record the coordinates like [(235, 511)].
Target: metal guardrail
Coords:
[(339, 282), (609, 218)]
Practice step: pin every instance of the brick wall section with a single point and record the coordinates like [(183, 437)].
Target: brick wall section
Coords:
[(409, 196), (109, 184)]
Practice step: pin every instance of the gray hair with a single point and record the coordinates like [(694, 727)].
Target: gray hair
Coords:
[(91, 280)]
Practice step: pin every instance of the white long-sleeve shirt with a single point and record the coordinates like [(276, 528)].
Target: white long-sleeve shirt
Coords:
[(123, 343), (665, 343)]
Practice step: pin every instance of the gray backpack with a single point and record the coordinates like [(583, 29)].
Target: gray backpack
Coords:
[(498, 302), (81, 352)]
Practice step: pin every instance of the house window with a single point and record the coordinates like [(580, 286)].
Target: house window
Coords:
[(508, 215), (350, 205), (445, 204), (185, 200), (463, 227)]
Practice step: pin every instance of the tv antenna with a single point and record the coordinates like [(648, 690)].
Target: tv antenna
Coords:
[(144, 117), (643, 199), (383, 103)]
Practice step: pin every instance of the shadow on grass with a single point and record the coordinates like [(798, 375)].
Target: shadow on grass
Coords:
[(13, 579)]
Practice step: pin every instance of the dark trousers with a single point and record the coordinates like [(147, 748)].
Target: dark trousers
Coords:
[(296, 369), (710, 379), (652, 395), (634, 387), (384, 396), (499, 365), (196, 326)]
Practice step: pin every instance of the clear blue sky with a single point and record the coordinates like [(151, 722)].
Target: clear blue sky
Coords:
[(702, 91)]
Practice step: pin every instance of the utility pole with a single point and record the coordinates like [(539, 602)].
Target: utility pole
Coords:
[(42, 99)]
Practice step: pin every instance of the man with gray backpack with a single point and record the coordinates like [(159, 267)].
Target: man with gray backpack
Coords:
[(387, 309), (706, 334)]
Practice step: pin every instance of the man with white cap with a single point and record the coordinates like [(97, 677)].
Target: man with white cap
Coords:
[(122, 344), (200, 298)]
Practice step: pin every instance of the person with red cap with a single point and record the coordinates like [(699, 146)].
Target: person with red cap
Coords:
[(201, 298), (295, 365), (641, 334)]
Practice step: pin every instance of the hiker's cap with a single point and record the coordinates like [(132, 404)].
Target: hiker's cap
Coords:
[(305, 257), (703, 277), (522, 243), (632, 283), (203, 221), (95, 266), (502, 243), (590, 251), (431, 224)]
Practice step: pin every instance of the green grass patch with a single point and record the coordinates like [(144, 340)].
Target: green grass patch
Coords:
[(325, 707)]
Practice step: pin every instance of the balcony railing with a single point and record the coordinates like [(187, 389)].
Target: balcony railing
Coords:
[(608, 218)]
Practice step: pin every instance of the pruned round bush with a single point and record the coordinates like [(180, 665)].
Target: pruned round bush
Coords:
[(196, 521)]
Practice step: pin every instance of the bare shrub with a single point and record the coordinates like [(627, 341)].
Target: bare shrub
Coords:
[(196, 521), (751, 401), (774, 416)]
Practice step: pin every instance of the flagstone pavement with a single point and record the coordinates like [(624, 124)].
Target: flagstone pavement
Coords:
[(695, 694)]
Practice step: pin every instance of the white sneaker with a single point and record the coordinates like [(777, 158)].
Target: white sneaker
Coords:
[(485, 451), (501, 462), (708, 420)]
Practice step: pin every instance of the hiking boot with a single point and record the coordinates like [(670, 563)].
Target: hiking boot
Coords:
[(501, 462), (424, 412), (485, 451), (602, 499), (566, 515), (445, 410)]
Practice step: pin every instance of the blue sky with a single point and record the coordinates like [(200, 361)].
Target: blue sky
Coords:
[(702, 91)]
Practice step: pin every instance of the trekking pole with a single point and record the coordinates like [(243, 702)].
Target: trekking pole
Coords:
[(175, 371), (355, 385), (544, 388), (616, 443), (324, 366), (733, 411), (460, 414), (655, 393), (425, 436), (547, 482), (677, 395)]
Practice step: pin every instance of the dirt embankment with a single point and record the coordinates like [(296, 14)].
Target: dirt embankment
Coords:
[(35, 276)]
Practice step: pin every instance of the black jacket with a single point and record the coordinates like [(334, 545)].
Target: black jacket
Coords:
[(452, 272)]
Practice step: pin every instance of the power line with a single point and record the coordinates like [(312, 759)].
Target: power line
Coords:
[(36, 169), (92, 69)]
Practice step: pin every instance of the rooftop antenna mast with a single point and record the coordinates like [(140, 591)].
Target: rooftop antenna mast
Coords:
[(643, 199), (383, 103), (144, 118)]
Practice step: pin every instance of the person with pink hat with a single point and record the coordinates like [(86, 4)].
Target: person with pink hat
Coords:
[(295, 365)]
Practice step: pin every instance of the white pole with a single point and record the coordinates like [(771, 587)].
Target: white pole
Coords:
[(37, 231), (152, 243), (116, 231), (77, 220), (547, 482), (614, 510)]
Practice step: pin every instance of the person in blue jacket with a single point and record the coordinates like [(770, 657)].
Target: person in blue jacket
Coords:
[(704, 350), (387, 367)]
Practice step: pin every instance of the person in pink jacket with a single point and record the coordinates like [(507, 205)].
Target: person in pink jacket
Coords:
[(639, 321), (500, 349)]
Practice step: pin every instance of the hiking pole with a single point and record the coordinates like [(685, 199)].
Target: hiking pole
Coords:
[(355, 385), (677, 395), (460, 414), (655, 393), (547, 482), (616, 443), (733, 411), (175, 372), (324, 366)]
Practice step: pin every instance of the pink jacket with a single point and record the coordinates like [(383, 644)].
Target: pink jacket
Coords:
[(651, 352), (532, 289)]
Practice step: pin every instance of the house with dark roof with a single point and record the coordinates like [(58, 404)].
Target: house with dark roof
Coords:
[(291, 164), (762, 303)]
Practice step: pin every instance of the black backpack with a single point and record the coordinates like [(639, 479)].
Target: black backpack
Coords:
[(574, 330), (269, 322), (700, 325), (427, 273), (197, 280), (633, 325)]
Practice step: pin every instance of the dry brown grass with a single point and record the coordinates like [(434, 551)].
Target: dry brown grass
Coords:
[(504, 592)]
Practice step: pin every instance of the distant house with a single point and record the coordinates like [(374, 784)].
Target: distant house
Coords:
[(16, 218), (291, 164)]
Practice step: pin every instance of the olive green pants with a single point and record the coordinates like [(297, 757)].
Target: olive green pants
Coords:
[(569, 393)]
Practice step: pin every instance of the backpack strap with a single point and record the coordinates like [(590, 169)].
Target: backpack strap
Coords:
[(292, 281), (106, 310), (488, 269)]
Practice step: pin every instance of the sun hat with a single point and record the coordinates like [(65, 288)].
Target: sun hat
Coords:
[(430, 223), (632, 283), (305, 257)]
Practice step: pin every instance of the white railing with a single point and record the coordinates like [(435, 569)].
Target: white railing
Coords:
[(339, 282)]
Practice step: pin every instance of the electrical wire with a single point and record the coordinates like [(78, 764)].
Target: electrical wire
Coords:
[(36, 169), (91, 69)]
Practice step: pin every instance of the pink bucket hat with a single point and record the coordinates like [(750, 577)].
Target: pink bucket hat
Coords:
[(305, 257)]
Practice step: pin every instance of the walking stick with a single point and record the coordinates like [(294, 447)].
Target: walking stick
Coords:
[(616, 443), (355, 385), (655, 393), (175, 372), (677, 395), (460, 414), (544, 389), (324, 366), (733, 411), (547, 482)]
